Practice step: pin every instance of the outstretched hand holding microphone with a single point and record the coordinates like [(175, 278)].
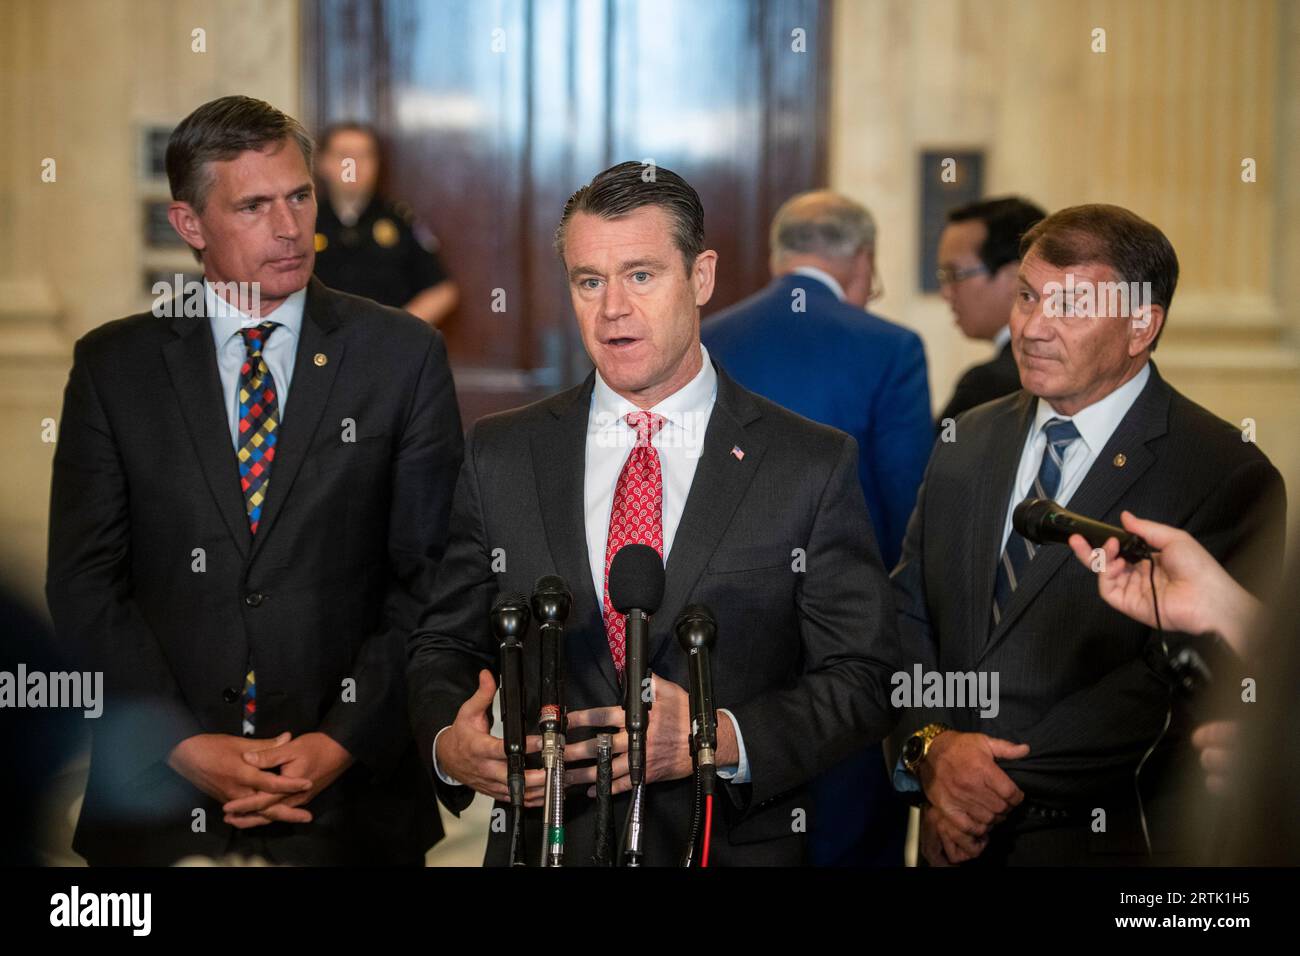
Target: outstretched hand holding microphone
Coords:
[(1195, 595)]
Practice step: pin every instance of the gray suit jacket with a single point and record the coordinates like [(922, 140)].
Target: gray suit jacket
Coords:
[(803, 657), (1080, 683)]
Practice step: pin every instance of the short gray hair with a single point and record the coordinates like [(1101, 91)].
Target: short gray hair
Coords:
[(822, 223)]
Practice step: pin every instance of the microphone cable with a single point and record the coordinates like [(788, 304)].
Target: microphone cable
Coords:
[(1169, 715)]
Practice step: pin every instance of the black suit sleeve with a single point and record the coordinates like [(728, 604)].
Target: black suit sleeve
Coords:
[(452, 643), (840, 701), (373, 728), (1106, 726), (89, 588), (915, 633)]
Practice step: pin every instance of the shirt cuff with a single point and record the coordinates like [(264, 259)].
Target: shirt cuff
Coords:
[(438, 770), (739, 773), (905, 782)]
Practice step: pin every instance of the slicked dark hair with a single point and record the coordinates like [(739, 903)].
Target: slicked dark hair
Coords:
[(220, 130), (1135, 249), (629, 186), (1006, 219)]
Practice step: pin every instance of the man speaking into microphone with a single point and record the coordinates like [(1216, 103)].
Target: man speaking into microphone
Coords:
[(757, 514)]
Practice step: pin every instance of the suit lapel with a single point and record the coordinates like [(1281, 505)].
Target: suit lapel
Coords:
[(991, 494), (560, 464), (192, 364), (720, 481), (1102, 488), (308, 394)]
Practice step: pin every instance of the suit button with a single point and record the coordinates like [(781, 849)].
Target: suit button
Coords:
[(254, 599), (230, 695)]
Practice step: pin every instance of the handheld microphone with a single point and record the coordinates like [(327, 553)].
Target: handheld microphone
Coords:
[(636, 589), (509, 620), (551, 601), (1043, 521)]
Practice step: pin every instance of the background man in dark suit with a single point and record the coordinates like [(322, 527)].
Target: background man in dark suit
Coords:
[(1084, 692), (979, 257), (806, 343), (758, 512), (250, 498)]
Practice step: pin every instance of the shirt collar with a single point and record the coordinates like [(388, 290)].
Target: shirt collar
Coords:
[(694, 398), (226, 320), (1098, 421), (1002, 338), (821, 276)]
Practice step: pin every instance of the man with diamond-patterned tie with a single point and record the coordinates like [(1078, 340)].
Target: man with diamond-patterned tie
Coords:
[(1050, 774), (251, 494), (758, 514)]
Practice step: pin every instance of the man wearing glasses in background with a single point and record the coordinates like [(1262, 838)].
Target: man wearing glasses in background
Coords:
[(979, 256)]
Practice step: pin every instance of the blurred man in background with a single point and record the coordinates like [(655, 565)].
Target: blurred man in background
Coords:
[(979, 255), (808, 343), (366, 244)]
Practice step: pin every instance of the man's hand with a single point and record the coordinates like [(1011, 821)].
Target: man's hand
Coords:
[(960, 778), (215, 764), (943, 843), (667, 747), (468, 753), (1217, 742), (312, 756), (1196, 594)]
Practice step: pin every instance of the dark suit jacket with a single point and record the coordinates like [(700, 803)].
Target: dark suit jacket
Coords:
[(349, 541), (1080, 683), (983, 383), (803, 656), (843, 367)]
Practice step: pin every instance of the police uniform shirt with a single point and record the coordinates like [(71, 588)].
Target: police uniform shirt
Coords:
[(385, 255)]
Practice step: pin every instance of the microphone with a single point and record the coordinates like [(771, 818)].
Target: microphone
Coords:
[(636, 589), (697, 632), (1043, 521), (551, 601), (509, 620)]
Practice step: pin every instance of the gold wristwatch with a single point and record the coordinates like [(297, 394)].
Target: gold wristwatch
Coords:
[(918, 745)]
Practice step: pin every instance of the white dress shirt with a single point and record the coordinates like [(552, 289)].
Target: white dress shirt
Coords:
[(279, 351), (610, 441), (1096, 424)]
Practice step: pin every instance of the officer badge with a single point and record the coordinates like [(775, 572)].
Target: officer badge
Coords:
[(385, 233)]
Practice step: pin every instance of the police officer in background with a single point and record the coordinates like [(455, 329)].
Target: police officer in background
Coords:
[(368, 245)]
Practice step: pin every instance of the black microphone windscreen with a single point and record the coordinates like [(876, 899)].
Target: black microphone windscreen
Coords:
[(1027, 518), (636, 579)]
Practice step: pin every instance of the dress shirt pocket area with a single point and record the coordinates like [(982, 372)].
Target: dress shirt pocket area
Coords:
[(755, 557)]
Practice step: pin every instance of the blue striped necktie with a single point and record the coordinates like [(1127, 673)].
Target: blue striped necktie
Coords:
[(1019, 552)]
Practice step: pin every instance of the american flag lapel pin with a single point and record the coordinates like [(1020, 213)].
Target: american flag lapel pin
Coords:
[(737, 453)]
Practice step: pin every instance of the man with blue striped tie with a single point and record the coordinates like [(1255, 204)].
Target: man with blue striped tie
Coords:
[(1084, 757)]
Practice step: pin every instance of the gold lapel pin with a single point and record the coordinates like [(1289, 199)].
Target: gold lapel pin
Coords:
[(320, 359), (1120, 459)]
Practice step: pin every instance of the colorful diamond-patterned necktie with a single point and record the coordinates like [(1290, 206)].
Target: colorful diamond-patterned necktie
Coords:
[(259, 417), (637, 516)]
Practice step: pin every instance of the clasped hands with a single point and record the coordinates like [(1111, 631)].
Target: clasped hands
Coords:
[(467, 752), (967, 794), (239, 772)]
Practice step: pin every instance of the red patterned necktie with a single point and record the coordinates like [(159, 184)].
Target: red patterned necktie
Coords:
[(637, 516)]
